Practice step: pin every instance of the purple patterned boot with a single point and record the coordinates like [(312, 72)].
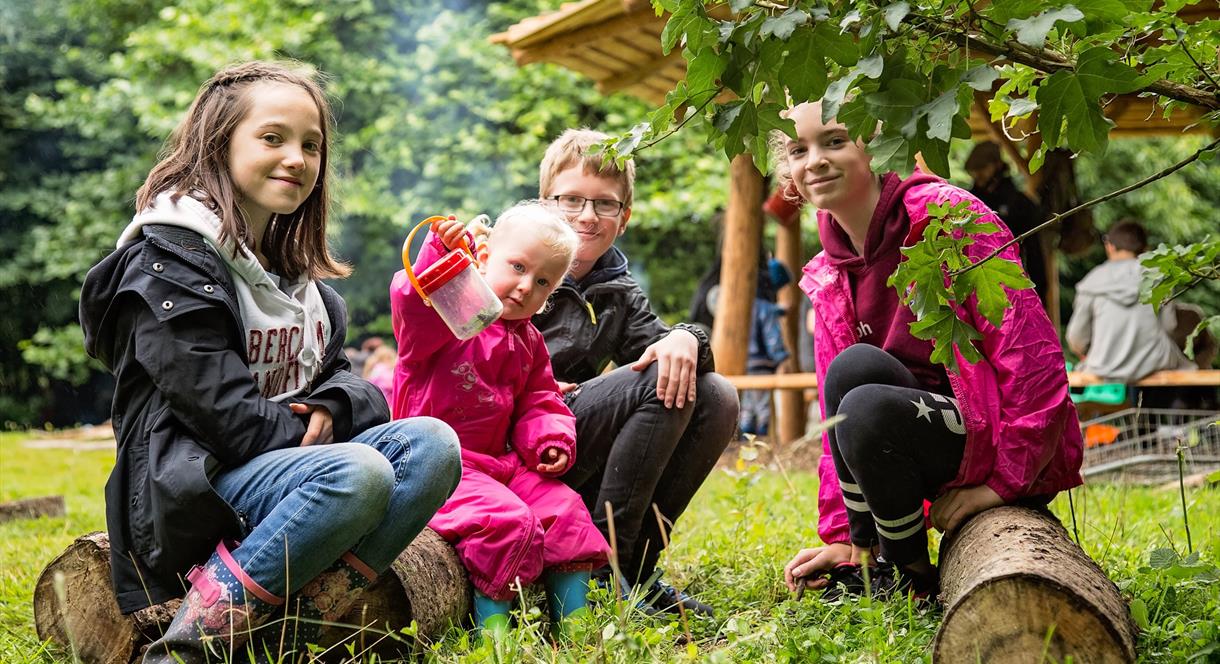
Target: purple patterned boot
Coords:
[(222, 608), (325, 599)]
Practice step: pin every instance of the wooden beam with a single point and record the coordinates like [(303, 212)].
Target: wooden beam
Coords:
[(639, 73), (792, 381), (558, 46), (739, 266), (1204, 378)]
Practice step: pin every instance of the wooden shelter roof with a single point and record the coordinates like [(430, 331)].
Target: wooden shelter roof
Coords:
[(617, 44)]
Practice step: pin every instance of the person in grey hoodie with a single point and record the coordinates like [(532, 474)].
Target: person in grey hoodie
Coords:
[(1117, 337)]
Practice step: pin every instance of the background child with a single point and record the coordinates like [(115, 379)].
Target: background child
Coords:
[(232, 386), (379, 369), (767, 349), (1000, 431), (510, 519)]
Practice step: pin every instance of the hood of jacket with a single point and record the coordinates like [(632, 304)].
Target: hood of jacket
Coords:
[(886, 230), (1118, 281), (285, 320)]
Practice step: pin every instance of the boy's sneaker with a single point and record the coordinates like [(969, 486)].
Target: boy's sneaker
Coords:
[(660, 597)]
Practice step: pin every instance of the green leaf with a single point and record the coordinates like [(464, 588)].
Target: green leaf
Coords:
[(1068, 116), (897, 101), (981, 78), (1021, 107), (1162, 558), (804, 70), (689, 21), (739, 6), (895, 13), (769, 120), (738, 121), (1100, 73), (940, 113), (988, 281), (835, 93), (703, 69), (835, 45), (1032, 31), (1139, 613), (679, 22), (871, 66), (781, 26)]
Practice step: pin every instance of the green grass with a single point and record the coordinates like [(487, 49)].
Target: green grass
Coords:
[(729, 550)]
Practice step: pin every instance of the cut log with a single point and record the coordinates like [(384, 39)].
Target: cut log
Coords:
[(75, 608), (32, 508), (1017, 589)]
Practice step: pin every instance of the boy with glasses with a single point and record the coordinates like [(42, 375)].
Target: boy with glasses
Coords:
[(650, 431)]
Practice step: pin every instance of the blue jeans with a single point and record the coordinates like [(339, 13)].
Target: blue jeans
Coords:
[(304, 507)]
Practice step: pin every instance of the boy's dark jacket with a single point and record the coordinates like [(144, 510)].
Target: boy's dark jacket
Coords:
[(603, 318), (160, 313)]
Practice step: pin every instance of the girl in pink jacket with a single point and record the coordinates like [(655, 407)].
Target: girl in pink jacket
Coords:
[(999, 431), (511, 520)]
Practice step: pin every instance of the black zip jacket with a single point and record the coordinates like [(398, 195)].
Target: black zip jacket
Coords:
[(604, 318), (161, 314)]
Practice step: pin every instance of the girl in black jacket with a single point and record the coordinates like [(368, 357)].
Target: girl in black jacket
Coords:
[(233, 396)]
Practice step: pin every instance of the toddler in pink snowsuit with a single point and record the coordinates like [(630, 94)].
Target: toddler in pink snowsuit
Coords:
[(511, 520)]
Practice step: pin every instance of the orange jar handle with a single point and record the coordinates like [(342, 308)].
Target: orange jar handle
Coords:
[(406, 253)]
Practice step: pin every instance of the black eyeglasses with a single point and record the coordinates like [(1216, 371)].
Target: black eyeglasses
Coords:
[(602, 207)]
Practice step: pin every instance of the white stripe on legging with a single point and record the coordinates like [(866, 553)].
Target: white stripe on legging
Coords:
[(894, 523), (855, 505), (903, 534)]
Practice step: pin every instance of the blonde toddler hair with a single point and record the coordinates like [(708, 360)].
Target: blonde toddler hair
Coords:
[(570, 150), (541, 222)]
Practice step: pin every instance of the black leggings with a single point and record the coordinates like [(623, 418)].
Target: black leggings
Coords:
[(896, 446)]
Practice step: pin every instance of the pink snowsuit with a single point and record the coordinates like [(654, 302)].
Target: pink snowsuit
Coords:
[(1022, 435), (508, 521)]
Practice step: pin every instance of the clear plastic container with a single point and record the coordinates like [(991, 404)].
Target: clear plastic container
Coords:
[(454, 287)]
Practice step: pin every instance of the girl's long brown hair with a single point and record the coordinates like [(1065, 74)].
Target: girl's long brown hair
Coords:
[(195, 162)]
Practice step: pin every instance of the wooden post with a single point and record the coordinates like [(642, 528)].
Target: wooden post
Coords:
[(738, 266), (791, 416)]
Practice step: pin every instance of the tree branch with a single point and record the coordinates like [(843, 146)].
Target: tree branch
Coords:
[(1049, 61), (1084, 206), (671, 132)]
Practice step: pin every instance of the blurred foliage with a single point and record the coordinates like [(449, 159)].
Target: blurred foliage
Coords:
[(432, 118)]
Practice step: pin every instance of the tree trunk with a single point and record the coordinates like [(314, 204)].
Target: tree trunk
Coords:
[(74, 604), (1017, 589)]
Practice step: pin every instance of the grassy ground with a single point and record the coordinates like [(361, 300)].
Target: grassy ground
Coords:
[(729, 550)]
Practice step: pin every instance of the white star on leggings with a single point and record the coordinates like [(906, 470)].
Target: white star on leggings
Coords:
[(924, 411)]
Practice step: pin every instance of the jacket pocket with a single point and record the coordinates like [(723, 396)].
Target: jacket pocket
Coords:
[(139, 509)]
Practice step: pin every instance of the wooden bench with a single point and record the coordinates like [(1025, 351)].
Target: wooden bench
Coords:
[(794, 384), (1204, 378), (800, 381)]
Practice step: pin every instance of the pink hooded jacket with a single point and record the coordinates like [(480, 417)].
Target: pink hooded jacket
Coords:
[(1022, 435), (517, 408)]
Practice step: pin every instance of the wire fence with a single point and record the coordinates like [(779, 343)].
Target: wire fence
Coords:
[(1141, 445)]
